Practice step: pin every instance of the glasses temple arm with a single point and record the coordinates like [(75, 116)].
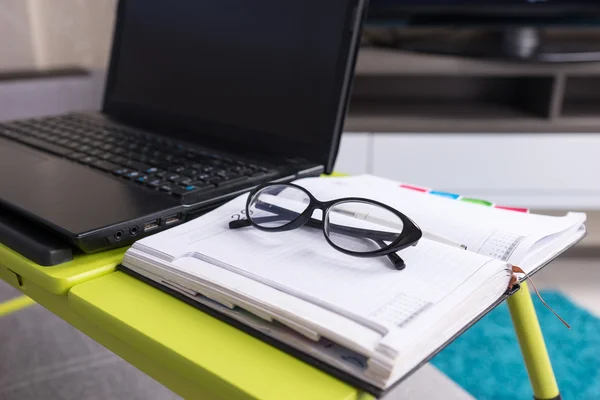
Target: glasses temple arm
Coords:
[(315, 223)]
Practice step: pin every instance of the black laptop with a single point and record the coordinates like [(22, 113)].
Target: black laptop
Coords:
[(204, 100)]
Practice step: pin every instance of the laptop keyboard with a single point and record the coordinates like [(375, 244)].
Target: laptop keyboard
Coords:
[(150, 160)]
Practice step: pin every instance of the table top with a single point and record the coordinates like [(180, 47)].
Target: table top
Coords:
[(220, 359), (60, 278)]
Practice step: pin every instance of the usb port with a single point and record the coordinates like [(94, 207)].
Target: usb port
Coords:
[(150, 226), (171, 219)]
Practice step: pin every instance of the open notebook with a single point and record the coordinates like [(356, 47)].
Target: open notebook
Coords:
[(370, 323)]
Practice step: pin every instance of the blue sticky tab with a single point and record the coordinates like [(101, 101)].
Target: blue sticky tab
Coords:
[(444, 194)]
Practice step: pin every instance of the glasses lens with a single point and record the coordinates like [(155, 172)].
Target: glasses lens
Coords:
[(362, 227), (277, 205)]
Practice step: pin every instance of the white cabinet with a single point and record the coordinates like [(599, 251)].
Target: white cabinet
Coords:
[(531, 170), (354, 155)]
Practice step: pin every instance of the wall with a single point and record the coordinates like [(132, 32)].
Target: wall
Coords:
[(73, 32), (16, 39), (55, 33)]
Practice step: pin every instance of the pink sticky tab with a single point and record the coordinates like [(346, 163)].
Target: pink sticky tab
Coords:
[(517, 209), (418, 189)]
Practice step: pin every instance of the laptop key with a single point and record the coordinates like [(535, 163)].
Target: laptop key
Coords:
[(76, 156), (121, 171), (136, 165), (96, 143), (152, 170), (189, 172), (182, 181), (202, 185), (95, 152), (184, 190), (177, 168), (155, 183), (119, 160), (213, 180), (232, 182), (104, 165), (167, 188), (132, 175), (260, 175), (142, 179), (159, 163), (137, 157), (49, 147), (87, 159)]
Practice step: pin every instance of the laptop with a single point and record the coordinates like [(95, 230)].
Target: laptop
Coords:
[(204, 100)]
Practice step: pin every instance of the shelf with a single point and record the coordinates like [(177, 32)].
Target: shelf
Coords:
[(477, 117), (581, 110), (380, 61), (398, 91), (581, 97)]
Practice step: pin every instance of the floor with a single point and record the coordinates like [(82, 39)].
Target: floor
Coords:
[(578, 278), (35, 362)]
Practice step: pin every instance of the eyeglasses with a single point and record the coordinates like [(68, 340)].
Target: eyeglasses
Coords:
[(353, 225)]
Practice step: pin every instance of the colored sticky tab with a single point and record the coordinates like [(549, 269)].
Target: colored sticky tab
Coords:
[(444, 194), (411, 187), (517, 209), (477, 201)]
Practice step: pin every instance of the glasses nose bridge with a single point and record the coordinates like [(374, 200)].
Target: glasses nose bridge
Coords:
[(310, 210)]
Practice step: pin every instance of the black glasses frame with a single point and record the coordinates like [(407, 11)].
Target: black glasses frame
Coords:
[(409, 236)]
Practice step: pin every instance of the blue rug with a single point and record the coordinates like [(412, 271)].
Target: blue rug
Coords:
[(486, 360)]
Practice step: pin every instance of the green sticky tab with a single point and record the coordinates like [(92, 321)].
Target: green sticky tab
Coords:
[(477, 201)]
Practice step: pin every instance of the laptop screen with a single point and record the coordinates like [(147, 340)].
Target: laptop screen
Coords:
[(268, 74)]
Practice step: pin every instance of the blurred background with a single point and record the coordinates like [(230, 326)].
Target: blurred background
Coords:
[(483, 98), (498, 100)]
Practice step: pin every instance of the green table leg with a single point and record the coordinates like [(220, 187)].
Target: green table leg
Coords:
[(16, 304), (532, 345)]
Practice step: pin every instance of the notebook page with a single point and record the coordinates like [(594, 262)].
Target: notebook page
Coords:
[(324, 349), (234, 290), (501, 234), (302, 263)]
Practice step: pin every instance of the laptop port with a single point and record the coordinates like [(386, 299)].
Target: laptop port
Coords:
[(133, 230), (150, 226), (118, 235), (171, 219)]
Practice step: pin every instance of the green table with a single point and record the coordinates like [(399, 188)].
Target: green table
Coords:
[(190, 352), (196, 355)]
